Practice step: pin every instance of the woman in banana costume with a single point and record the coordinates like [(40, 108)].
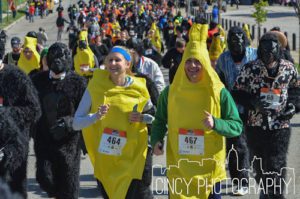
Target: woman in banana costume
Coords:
[(198, 113), (114, 129)]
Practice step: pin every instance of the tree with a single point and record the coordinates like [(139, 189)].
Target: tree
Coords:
[(260, 14), (297, 10)]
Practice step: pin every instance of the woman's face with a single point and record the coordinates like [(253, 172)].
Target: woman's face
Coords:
[(117, 65), (193, 70)]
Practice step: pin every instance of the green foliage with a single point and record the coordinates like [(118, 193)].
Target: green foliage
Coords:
[(260, 13), (8, 20), (4, 4)]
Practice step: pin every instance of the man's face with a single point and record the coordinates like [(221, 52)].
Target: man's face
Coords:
[(98, 41), (180, 50), (16, 48), (82, 45), (193, 70), (123, 35), (28, 53)]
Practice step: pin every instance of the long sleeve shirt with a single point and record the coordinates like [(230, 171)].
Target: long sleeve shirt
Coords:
[(150, 68), (228, 70), (83, 118), (229, 125)]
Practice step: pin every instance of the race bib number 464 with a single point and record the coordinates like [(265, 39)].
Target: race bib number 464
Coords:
[(191, 142), (112, 142)]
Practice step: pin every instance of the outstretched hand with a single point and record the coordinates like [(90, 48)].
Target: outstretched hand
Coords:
[(208, 121)]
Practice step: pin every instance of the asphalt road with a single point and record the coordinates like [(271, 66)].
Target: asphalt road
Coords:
[(88, 187)]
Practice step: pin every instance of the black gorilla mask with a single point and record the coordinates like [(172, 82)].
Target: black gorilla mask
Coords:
[(236, 44), (82, 44), (236, 41), (58, 58), (268, 49)]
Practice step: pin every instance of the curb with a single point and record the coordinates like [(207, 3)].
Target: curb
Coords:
[(17, 21), (13, 23)]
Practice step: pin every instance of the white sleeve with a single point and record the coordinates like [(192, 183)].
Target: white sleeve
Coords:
[(158, 78), (82, 116)]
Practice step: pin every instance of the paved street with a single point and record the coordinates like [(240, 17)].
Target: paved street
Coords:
[(87, 183)]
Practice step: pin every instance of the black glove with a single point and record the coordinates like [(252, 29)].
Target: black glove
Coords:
[(61, 128), (288, 113), (260, 104)]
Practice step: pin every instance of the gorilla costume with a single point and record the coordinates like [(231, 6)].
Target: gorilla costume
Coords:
[(56, 144), (19, 110), (228, 67), (268, 87)]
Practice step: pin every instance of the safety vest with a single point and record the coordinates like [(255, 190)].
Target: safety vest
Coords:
[(10, 59)]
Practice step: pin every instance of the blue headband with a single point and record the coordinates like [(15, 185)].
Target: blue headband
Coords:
[(123, 52)]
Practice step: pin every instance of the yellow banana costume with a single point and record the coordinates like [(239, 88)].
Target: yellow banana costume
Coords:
[(117, 171), (176, 23), (247, 31), (34, 63), (222, 37), (142, 10), (84, 59), (156, 40), (186, 105), (215, 49)]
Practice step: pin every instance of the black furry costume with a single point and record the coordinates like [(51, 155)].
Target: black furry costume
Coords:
[(237, 43), (19, 110), (268, 122), (56, 144)]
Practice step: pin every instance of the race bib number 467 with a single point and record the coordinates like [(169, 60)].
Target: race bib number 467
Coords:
[(191, 142), (112, 142)]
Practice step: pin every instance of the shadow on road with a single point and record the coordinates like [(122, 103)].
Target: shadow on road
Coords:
[(89, 192), (269, 15), (34, 187)]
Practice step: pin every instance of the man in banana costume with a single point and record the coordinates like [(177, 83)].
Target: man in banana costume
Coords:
[(199, 113), (29, 58)]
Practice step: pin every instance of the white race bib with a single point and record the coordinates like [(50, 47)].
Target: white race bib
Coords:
[(191, 142), (171, 32), (112, 142), (271, 96)]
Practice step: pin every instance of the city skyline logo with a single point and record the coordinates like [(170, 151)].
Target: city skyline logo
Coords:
[(161, 185)]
